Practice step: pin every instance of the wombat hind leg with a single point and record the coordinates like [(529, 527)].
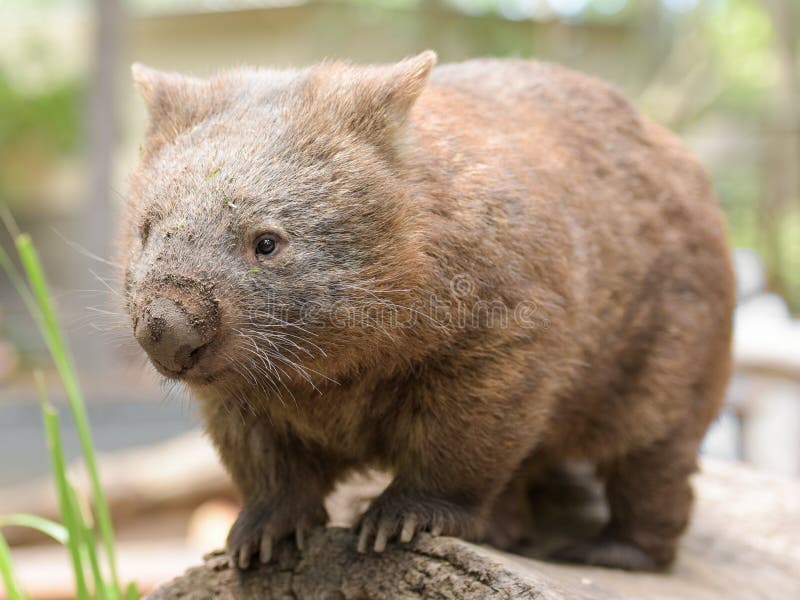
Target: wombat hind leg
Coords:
[(602, 552), (650, 499), (511, 519)]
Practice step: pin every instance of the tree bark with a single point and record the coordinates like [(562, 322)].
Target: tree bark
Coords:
[(329, 569)]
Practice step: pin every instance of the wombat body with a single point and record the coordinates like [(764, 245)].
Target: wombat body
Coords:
[(463, 275)]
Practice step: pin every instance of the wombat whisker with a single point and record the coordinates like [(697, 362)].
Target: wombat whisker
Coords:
[(100, 322), (302, 340), (236, 396), (276, 355), (109, 332), (302, 371), (107, 285), (270, 339), (82, 249), (305, 369), (239, 396), (110, 313), (270, 375), (85, 323), (281, 322), (83, 319), (283, 383), (268, 368), (279, 330), (283, 337), (172, 389), (90, 292), (110, 328), (267, 372)]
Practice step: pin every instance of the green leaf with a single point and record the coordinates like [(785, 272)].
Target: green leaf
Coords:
[(50, 528), (131, 593), (68, 516), (13, 590), (51, 332), (88, 551)]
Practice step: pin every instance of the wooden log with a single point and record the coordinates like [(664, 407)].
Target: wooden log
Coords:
[(744, 543), (182, 472)]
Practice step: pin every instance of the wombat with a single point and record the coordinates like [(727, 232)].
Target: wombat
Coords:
[(461, 275)]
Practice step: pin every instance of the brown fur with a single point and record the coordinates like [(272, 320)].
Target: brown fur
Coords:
[(505, 184)]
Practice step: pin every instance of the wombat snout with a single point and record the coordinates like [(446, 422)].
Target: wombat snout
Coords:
[(171, 336)]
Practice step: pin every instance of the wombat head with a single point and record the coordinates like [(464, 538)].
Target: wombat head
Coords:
[(267, 205)]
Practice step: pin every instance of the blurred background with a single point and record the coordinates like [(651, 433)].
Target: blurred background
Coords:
[(725, 74)]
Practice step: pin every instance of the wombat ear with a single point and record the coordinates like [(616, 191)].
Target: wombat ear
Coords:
[(391, 93), (174, 102), (374, 100), (403, 82)]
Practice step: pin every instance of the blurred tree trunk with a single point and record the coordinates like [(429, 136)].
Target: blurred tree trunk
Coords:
[(782, 137), (95, 224), (101, 122)]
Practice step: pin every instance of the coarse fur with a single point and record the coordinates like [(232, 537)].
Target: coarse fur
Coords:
[(483, 269)]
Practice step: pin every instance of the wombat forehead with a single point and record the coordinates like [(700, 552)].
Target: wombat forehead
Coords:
[(237, 171)]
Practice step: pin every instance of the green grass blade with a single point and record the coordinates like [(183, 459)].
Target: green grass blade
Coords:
[(13, 590), (53, 433), (50, 528), (88, 550), (51, 332), (19, 285), (131, 593)]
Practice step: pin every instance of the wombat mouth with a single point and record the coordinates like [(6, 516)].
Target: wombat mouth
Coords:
[(191, 375), (169, 372), (193, 372)]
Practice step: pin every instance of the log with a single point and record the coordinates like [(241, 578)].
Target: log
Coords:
[(329, 569), (179, 473), (744, 543)]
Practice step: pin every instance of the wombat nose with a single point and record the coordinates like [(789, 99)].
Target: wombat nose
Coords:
[(166, 333)]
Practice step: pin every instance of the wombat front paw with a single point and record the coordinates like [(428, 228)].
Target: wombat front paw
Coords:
[(261, 525), (398, 516)]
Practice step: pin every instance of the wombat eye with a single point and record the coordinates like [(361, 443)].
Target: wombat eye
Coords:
[(266, 245)]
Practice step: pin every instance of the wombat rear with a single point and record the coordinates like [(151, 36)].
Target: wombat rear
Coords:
[(463, 275)]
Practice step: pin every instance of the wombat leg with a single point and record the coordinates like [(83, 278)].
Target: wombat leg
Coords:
[(262, 523), (511, 521), (650, 499), (283, 496), (442, 489)]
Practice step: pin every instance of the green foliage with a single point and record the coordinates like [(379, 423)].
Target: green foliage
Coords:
[(75, 532), (51, 116), (51, 332), (36, 128), (13, 590), (50, 528), (739, 35)]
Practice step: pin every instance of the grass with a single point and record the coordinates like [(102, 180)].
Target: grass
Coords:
[(94, 565)]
